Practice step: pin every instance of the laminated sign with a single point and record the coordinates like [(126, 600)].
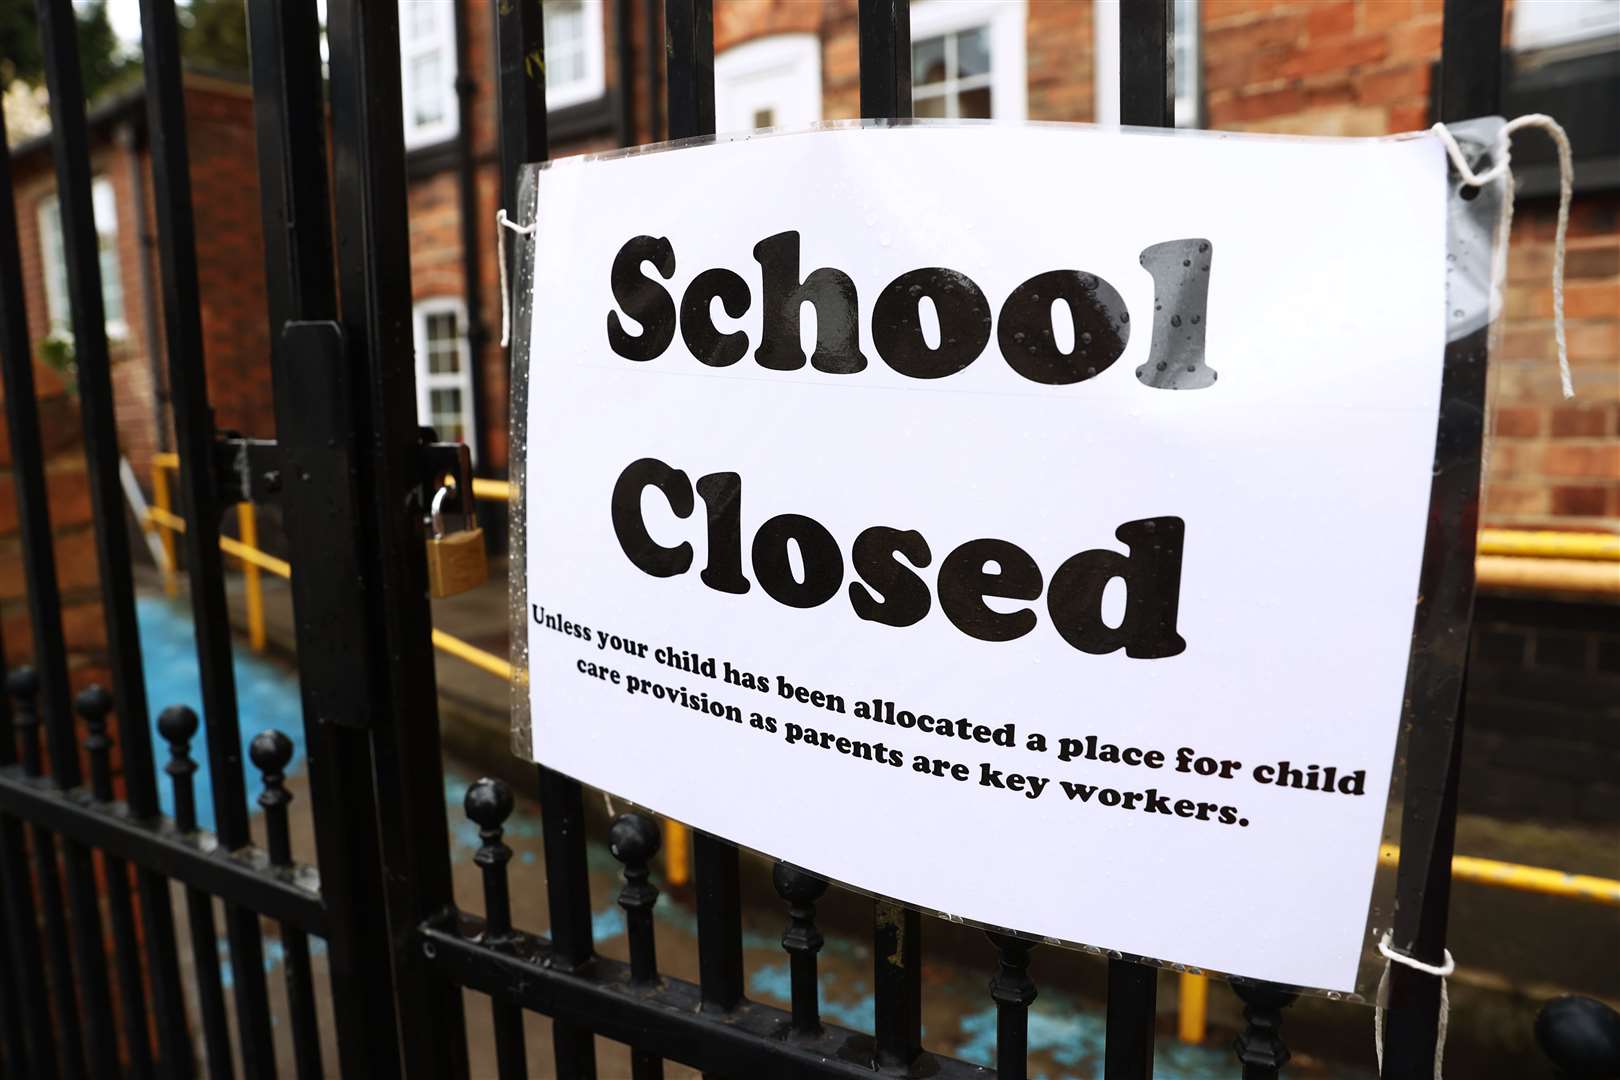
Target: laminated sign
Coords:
[(1026, 524)]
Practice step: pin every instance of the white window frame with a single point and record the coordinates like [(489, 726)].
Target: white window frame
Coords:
[(1105, 24), (593, 84), (1551, 25), (428, 381), (441, 40), (798, 53), (53, 258), (1009, 63)]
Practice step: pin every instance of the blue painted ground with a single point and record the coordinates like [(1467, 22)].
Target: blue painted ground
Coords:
[(1065, 1031), (266, 697)]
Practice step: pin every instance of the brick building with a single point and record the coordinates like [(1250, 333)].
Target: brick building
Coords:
[(1322, 67), (1326, 67), (230, 262)]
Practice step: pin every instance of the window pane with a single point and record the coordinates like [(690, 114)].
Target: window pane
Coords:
[(427, 89), (50, 240), (444, 412), (422, 20), (973, 52), (928, 62), (929, 106), (112, 281), (441, 327), (564, 66), (565, 42), (974, 104)]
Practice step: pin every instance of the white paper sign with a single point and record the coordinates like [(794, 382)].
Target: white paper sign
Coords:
[(999, 624)]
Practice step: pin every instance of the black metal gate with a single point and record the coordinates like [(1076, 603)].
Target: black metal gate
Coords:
[(350, 468)]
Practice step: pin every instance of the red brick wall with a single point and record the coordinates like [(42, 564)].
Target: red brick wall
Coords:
[(230, 265), (230, 256), (1319, 67), (1362, 67)]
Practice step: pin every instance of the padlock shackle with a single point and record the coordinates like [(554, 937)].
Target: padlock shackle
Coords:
[(437, 511)]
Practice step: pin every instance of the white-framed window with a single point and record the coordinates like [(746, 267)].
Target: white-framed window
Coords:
[(576, 64), (444, 382), (58, 306), (772, 81), (427, 70), (1548, 24), (1189, 71), (967, 59)]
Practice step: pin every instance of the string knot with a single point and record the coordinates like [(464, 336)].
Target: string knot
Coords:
[(1440, 971), (1501, 165), (503, 224)]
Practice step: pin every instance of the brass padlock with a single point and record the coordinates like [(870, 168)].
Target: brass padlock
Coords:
[(455, 561)]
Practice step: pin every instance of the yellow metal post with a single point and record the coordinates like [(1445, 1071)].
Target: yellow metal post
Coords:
[(247, 525), (1192, 1008), (677, 853), (161, 500)]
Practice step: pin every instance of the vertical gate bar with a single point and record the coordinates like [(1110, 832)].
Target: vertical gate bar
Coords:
[(201, 506), (1147, 73), (885, 48), (1470, 86), (322, 524), (488, 804), (689, 57), (178, 725), (520, 101), (885, 71), (568, 896), (13, 1059), (1132, 1008), (374, 262), (521, 120), (472, 230), (655, 70), (71, 151), (896, 984), (112, 554), (271, 752), (39, 566), (1013, 991), (1147, 98), (689, 44), (715, 859), (626, 111), (21, 686), (633, 840), (93, 705)]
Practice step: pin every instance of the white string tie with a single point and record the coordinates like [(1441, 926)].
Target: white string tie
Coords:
[(1566, 184), (503, 223), (1440, 971)]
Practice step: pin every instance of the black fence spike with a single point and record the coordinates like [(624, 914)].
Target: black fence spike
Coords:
[(22, 684), (802, 940), (93, 704), (634, 839), (271, 752), (1013, 991), (178, 725), (1260, 1047), (488, 804), (1581, 1036)]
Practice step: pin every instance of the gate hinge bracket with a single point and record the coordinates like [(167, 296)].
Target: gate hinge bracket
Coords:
[(251, 470)]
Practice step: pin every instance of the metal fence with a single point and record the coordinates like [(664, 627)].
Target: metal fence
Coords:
[(351, 470)]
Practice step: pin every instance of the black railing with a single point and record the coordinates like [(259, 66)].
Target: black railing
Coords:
[(349, 464)]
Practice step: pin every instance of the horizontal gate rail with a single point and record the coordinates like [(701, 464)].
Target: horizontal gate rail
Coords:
[(244, 877), (663, 1019)]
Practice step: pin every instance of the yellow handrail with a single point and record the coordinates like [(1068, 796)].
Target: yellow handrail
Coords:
[(1511, 558)]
